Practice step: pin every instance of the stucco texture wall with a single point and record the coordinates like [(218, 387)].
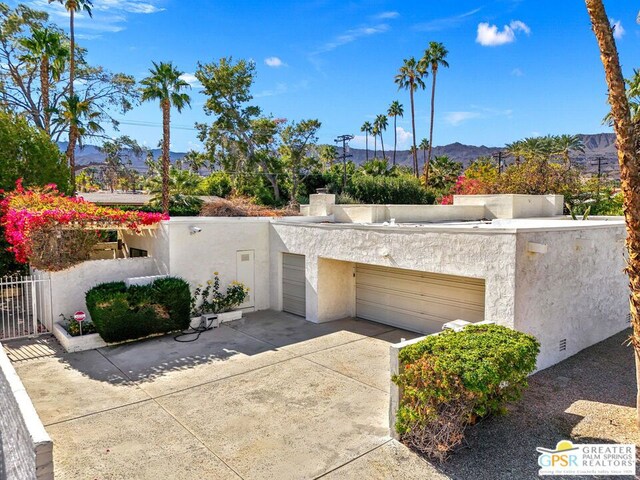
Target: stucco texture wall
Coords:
[(487, 256), (26, 451), (195, 256), (68, 287), (576, 291)]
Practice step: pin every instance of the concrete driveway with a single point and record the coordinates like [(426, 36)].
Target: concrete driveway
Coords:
[(269, 396)]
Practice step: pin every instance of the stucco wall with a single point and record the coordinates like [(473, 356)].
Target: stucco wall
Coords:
[(490, 256), (195, 257), (576, 291), (514, 206), (68, 287), (26, 451), (155, 242)]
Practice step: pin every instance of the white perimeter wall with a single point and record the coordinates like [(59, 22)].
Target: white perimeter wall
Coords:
[(68, 287), (26, 451), (576, 291)]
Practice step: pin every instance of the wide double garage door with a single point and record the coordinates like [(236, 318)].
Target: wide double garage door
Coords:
[(417, 301)]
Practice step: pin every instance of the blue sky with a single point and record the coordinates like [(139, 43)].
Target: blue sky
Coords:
[(518, 67)]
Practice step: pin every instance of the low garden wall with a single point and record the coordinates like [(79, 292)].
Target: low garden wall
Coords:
[(26, 451), (68, 287)]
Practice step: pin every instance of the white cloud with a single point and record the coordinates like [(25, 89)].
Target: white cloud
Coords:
[(351, 36), (490, 36), (109, 16), (516, 72), (405, 139), (445, 23), (274, 62), (387, 15), (459, 117), (618, 29), (456, 118), (190, 78)]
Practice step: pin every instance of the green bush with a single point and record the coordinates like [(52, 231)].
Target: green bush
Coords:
[(452, 379), (217, 184), (120, 313), (398, 190)]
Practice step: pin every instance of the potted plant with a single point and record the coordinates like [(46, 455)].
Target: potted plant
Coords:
[(77, 336), (211, 306)]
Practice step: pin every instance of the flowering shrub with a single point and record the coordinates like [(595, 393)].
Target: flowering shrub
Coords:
[(465, 186), (210, 299), (52, 231)]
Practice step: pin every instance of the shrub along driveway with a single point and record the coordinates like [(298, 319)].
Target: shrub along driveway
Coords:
[(269, 396), (274, 396)]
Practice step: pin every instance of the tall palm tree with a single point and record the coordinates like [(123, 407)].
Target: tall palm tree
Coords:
[(395, 110), (46, 49), (83, 121), (434, 57), (165, 85), (627, 136), (424, 146), (565, 144), (381, 122), (374, 132), (409, 77), (367, 128), (73, 6)]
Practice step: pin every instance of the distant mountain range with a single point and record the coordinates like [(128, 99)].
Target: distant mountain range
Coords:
[(599, 145)]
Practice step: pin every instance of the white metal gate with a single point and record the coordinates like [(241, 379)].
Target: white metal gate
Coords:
[(25, 306)]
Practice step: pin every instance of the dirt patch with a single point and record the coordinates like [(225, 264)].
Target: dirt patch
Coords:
[(242, 207)]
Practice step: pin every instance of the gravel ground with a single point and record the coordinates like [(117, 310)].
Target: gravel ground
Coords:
[(588, 398)]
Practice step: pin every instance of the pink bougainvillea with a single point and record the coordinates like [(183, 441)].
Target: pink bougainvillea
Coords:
[(24, 212), (464, 186)]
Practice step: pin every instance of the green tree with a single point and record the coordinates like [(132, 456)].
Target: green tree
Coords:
[(119, 155), (515, 149), (424, 146), (165, 85), (444, 173), (434, 57), (395, 110), (298, 141), (327, 155), (410, 77), (367, 129), (46, 51), (565, 144), (83, 122), (381, 122), (239, 135)]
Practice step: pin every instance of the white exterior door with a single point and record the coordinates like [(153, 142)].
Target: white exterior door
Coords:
[(417, 301), (245, 273), (293, 284)]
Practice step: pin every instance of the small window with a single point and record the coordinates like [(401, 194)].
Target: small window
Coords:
[(245, 257), (137, 252)]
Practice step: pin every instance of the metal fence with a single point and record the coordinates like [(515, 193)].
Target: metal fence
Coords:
[(25, 306)]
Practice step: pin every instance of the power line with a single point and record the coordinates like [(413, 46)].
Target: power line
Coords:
[(345, 139)]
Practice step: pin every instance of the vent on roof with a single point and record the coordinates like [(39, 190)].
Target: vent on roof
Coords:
[(563, 344)]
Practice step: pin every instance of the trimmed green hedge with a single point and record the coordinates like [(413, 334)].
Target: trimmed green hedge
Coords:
[(394, 190), (120, 313)]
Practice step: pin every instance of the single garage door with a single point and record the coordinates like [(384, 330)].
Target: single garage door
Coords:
[(416, 301), (293, 284)]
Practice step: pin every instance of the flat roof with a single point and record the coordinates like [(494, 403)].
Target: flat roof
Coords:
[(511, 225)]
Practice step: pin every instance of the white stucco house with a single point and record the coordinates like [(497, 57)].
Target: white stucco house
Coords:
[(511, 259)]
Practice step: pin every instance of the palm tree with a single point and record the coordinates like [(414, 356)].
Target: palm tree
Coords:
[(375, 131), (395, 110), (409, 77), (515, 149), (164, 84), (381, 122), (424, 146), (367, 128), (83, 121), (72, 7), (45, 48), (434, 57), (627, 135), (565, 144)]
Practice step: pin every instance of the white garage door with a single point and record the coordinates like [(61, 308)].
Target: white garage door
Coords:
[(416, 301), (293, 284)]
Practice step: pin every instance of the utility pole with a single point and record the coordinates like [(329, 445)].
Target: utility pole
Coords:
[(598, 161), (345, 139), (498, 157)]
